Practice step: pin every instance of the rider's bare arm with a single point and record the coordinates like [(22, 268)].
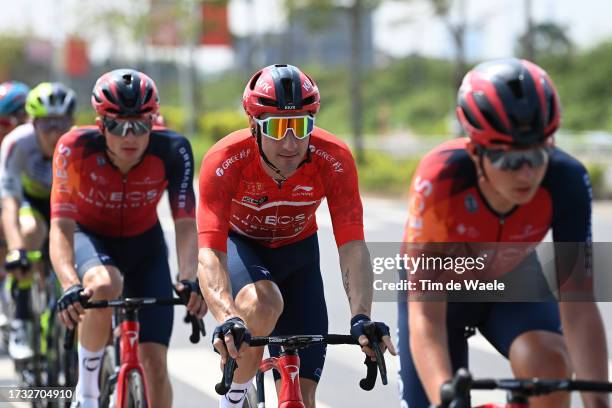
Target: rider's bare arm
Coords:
[(429, 344), (588, 352), (10, 223), (186, 247), (357, 276), (215, 283), (61, 238)]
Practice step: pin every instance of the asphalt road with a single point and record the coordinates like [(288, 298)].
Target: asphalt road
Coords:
[(195, 368)]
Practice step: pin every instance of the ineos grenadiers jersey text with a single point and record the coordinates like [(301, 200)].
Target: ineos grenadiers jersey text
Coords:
[(88, 188), (237, 194)]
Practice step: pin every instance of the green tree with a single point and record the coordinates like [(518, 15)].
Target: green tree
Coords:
[(544, 38), (456, 28)]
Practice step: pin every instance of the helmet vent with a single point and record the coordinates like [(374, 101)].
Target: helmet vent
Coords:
[(516, 88), (308, 101), (147, 96), (109, 96), (470, 117), (128, 79), (287, 84), (493, 121), (254, 80), (488, 112), (267, 102)]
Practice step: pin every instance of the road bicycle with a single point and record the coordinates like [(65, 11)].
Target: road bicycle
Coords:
[(122, 379), (50, 365), (456, 393), (288, 365)]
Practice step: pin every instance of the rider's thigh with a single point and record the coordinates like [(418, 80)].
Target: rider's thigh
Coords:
[(260, 304), (105, 281)]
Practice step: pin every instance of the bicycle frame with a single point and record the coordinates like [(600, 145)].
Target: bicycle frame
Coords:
[(288, 366), (128, 340)]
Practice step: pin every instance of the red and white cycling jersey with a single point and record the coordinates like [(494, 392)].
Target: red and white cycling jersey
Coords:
[(237, 194)]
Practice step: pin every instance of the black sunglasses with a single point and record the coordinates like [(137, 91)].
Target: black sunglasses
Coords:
[(121, 127), (512, 160)]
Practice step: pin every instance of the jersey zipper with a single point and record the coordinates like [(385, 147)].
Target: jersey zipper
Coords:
[(502, 221), (124, 184)]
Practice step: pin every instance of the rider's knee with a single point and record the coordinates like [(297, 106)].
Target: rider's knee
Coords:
[(105, 282), (261, 305), (154, 361), (540, 354)]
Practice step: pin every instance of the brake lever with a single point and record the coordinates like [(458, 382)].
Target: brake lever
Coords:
[(370, 332), (230, 366)]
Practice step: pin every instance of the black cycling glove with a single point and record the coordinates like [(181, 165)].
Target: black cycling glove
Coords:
[(189, 286), (360, 322), (234, 326), (70, 296)]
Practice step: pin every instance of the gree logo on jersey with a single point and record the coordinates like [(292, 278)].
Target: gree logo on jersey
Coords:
[(336, 164), (231, 160)]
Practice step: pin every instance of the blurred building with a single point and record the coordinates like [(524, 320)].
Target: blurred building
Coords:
[(311, 37)]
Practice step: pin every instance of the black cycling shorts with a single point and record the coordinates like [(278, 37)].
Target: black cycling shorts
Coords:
[(143, 262), (499, 322), (295, 269)]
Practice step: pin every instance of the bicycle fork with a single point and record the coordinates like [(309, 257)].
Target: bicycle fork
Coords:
[(288, 366), (129, 357)]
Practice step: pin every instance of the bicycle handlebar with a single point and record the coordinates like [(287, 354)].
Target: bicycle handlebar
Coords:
[(197, 325), (456, 393), (303, 341)]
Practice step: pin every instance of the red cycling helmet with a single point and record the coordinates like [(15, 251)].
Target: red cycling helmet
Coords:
[(280, 88), (125, 92), (508, 103)]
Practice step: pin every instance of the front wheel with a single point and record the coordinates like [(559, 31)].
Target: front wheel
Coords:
[(136, 397)]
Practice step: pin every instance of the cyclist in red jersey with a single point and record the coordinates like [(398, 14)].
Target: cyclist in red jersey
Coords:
[(259, 259), (105, 234), (505, 183)]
